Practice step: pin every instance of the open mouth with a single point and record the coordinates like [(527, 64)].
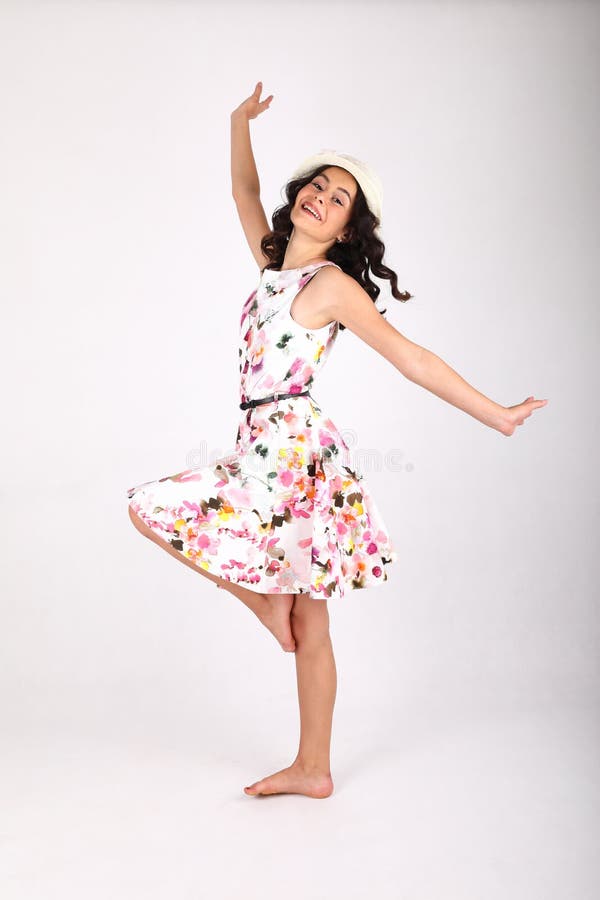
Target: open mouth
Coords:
[(308, 210)]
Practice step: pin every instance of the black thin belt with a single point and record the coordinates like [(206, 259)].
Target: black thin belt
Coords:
[(248, 403)]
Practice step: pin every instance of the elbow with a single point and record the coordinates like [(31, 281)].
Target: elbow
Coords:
[(414, 365)]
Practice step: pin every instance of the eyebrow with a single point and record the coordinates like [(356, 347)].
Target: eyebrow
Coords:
[(323, 175)]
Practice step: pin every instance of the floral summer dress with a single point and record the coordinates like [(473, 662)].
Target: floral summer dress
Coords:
[(286, 512)]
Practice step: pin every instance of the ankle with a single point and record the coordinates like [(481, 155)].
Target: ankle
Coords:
[(312, 767)]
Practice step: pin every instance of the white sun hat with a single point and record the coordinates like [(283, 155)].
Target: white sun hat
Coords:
[(367, 178)]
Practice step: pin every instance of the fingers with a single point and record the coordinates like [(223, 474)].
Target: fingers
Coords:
[(522, 411), (535, 404), (263, 104)]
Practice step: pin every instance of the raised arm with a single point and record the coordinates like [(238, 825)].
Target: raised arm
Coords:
[(349, 304), (245, 184)]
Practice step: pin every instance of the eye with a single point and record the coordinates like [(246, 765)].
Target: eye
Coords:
[(316, 184)]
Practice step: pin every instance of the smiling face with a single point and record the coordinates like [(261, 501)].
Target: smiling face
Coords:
[(330, 195)]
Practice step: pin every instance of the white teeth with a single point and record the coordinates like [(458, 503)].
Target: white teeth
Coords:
[(311, 211)]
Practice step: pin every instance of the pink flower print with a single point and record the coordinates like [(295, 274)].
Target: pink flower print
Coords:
[(183, 477), (341, 528), (297, 508), (257, 350), (250, 578), (286, 580), (257, 428), (291, 418), (307, 374), (193, 507), (286, 477), (335, 485), (273, 550), (240, 497), (246, 306)]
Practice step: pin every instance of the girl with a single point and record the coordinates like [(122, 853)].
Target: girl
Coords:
[(284, 522)]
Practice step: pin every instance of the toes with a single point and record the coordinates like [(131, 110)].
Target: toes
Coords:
[(252, 788), (259, 787)]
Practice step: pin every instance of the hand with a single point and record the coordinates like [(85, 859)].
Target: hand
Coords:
[(516, 415), (253, 106)]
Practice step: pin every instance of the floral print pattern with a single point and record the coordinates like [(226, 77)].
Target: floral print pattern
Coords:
[(286, 512)]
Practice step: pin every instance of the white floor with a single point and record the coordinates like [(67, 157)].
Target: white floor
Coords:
[(499, 805)]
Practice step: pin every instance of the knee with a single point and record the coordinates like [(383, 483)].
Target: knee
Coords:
[(310, 621), (137, 521)]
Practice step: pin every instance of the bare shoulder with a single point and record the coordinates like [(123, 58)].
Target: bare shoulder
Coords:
[(344, 300)]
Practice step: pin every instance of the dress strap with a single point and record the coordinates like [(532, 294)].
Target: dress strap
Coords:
[(328, 262)]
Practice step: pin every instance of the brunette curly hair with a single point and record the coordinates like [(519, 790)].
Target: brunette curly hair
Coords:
[(361, 252)]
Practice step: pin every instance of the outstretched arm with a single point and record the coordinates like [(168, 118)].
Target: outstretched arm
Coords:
[(244, 176), (350, 304), (437, 376), (245, 183)]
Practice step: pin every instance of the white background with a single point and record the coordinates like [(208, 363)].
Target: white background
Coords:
[(137, 700)]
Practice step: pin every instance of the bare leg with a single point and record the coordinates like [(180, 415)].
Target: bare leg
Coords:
[(310, 773), (273, 610)]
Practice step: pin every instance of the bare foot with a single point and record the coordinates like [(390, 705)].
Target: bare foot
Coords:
[(273, 610), (275, 615), (294, 780)]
